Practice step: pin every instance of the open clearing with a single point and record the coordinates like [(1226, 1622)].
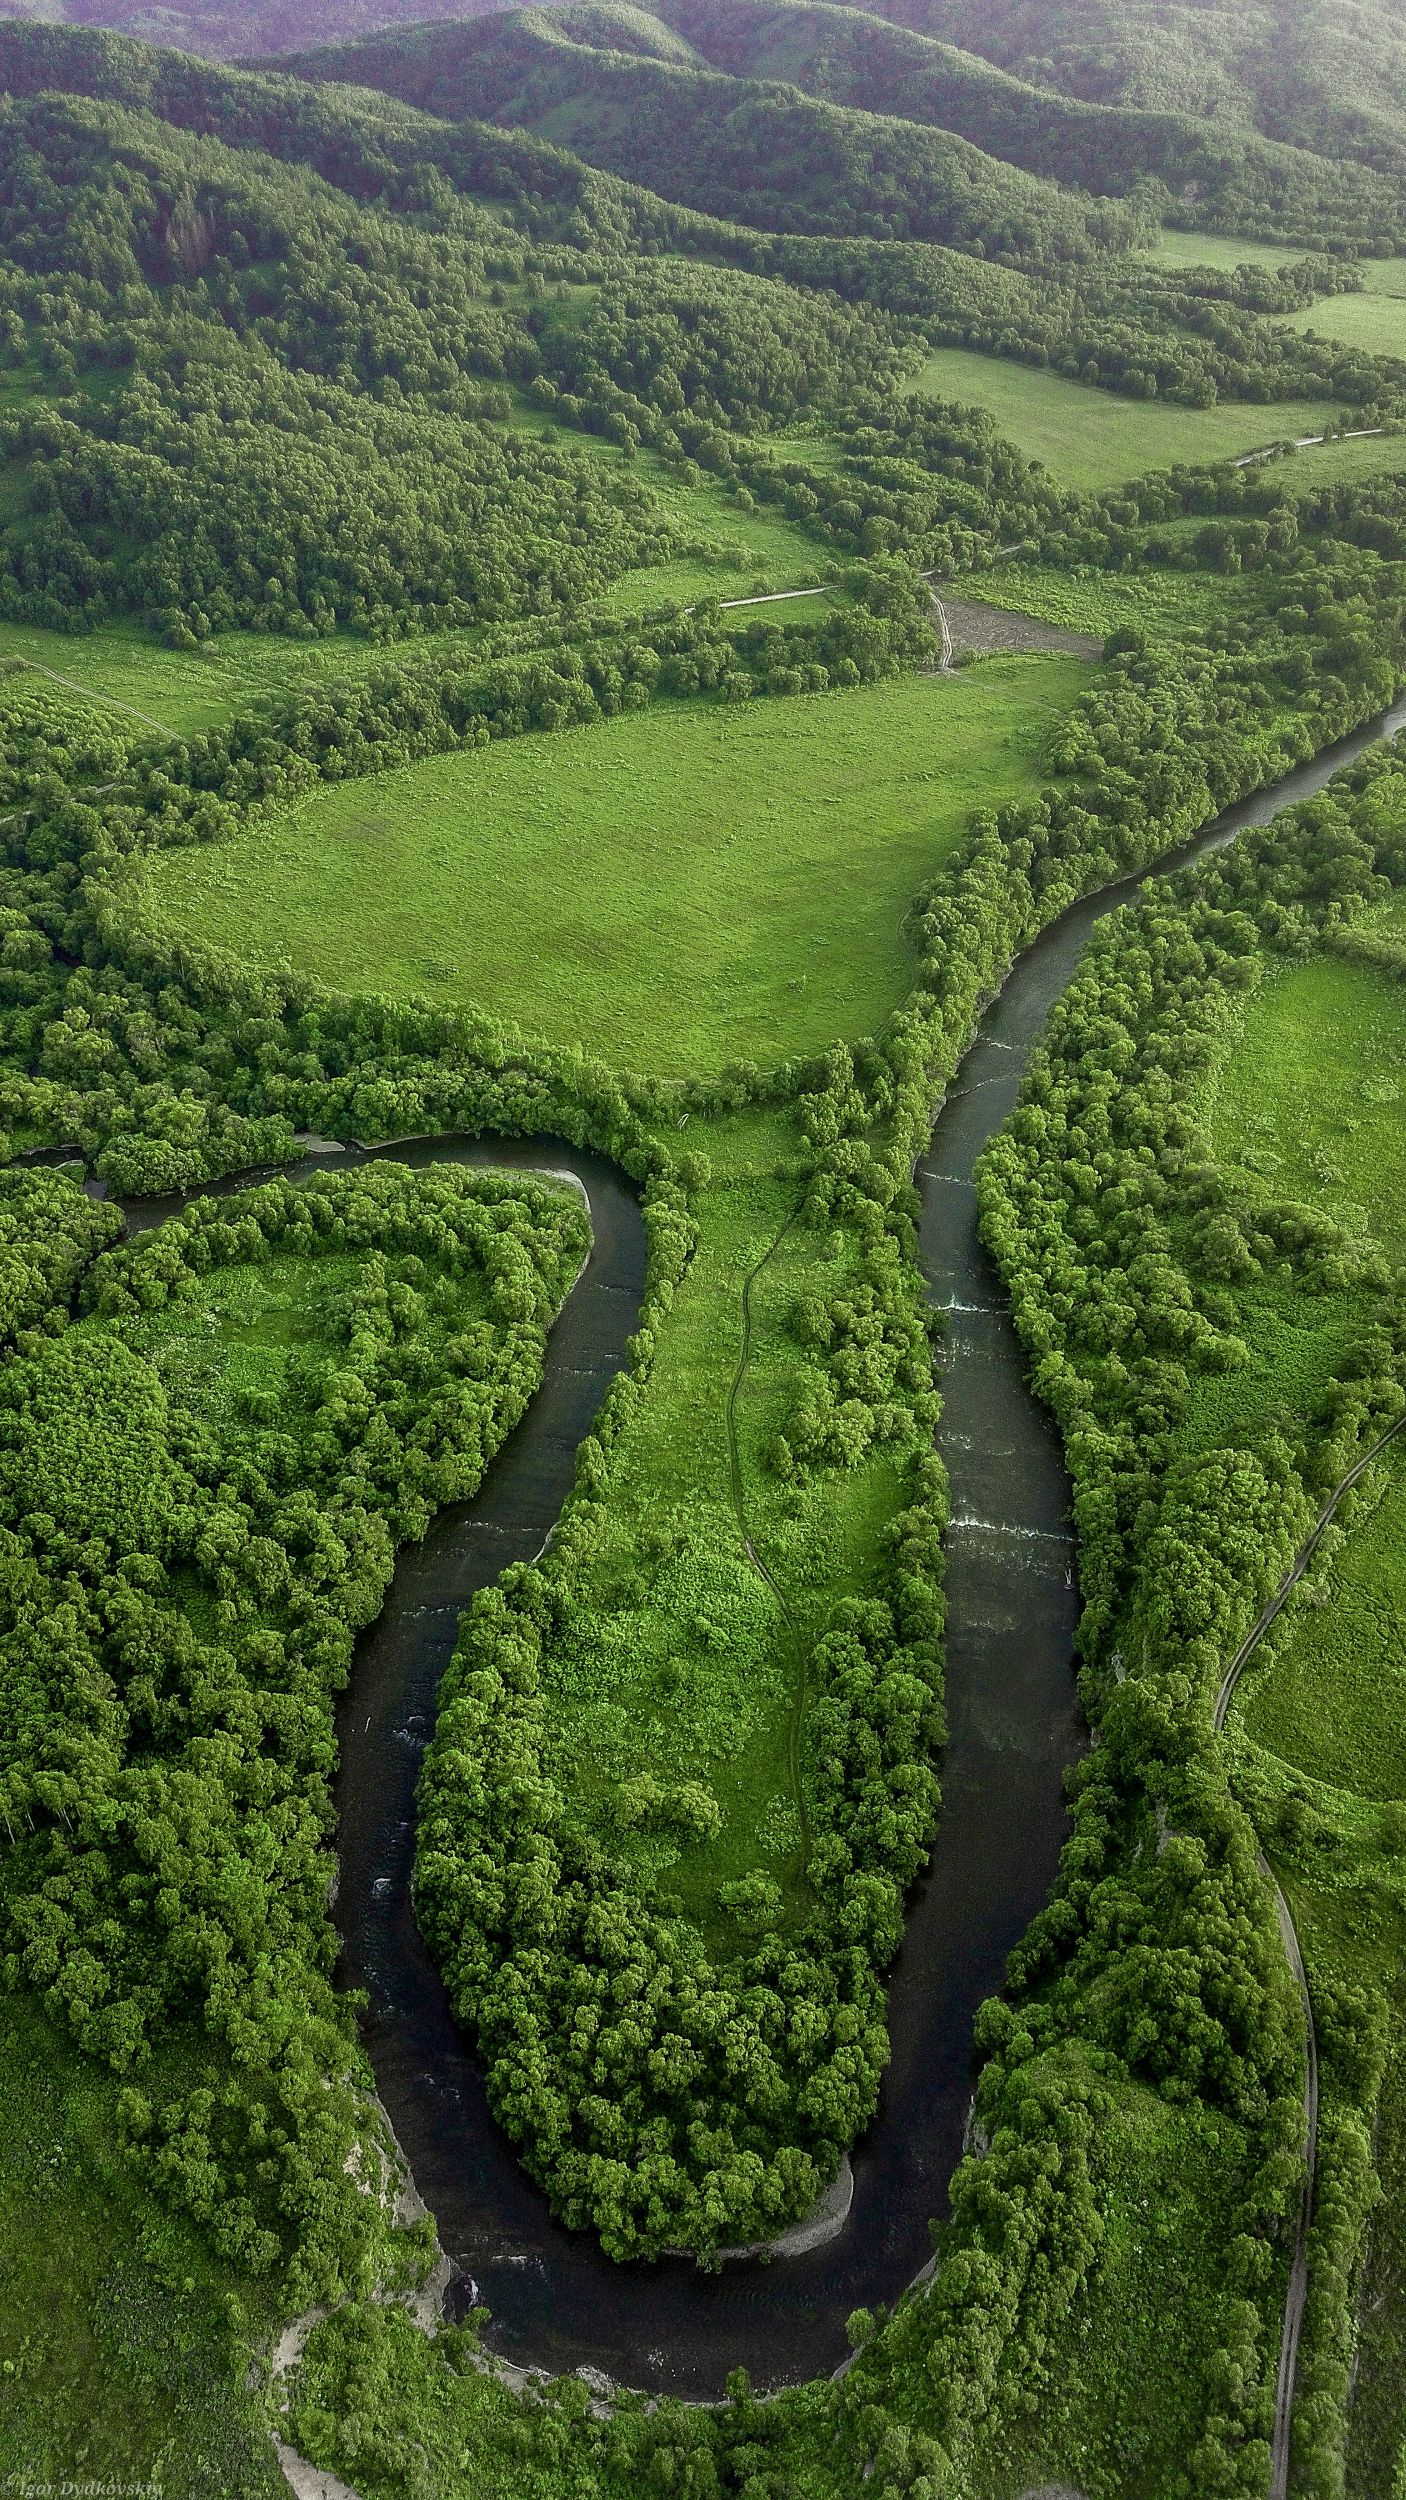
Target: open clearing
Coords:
[(1218, 251), (1375, 320), (673, 889), (121, 667), (1088, 438), (1311, 1097), (725, 550), (675, 1659)]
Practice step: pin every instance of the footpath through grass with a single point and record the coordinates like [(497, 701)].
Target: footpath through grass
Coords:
[(678, 1660), (673, 889), (124, 671), (1088, 439)]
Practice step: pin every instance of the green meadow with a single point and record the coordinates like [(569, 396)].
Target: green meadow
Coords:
[(1310, 1096), (1086, 600), (1304, 1103), (680, 1654), (1176, 249), (1374, 320), (1089, 439), (673, 889), (725, 549), (147, 686)]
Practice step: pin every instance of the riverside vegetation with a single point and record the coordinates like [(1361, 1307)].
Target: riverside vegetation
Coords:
[(375, 449)]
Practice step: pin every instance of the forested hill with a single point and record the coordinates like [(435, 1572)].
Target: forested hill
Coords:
[(1330, 77), (732, 147), (228, 30), (845, 56), (900, 136), (1260, 120)]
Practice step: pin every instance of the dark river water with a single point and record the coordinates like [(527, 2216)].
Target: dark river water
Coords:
[(1012, 1605)]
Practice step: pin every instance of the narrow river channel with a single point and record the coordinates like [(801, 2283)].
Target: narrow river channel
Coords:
[(555, 2300)]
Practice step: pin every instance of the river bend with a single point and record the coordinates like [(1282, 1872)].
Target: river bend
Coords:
[(556, 2301)]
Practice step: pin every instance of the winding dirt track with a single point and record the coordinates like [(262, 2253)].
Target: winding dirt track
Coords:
[(1281, 2451)]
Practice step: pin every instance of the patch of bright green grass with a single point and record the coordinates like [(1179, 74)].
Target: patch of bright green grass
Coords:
[(139, 684), (1087, 601), (1311, 1093), (235, 1331), (1334, 1702), (683, 1660), (673, 889), (725, 550), (123, 2348), (1385, 277), (1088, 438), (1374, 320), (1304, 1099), (1295, 1341), (1339, 463), (1176, 250)]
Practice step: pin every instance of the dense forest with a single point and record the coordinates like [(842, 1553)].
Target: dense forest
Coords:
[(392, 435)]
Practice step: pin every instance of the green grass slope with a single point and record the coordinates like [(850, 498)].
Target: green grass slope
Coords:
[(673, 889), (1088, 438)]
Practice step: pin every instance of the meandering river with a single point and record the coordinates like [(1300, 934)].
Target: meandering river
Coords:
[(555, 2300)]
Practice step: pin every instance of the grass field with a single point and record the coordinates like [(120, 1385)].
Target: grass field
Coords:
[(681, 1661), (1375, 320), (1088, 601), (726, 552), (1304, 1100), (1177, 250), (1337, 464), (1089, 439), (145, 684), (673, 889), (1310, 1094)]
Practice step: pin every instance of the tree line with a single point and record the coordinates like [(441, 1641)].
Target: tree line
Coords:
[(186, 1569)]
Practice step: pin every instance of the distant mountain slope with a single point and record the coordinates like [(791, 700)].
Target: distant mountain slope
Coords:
[(738, 148), (228, 30), (1331, 76), (1144, 79), (1244, 183)]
